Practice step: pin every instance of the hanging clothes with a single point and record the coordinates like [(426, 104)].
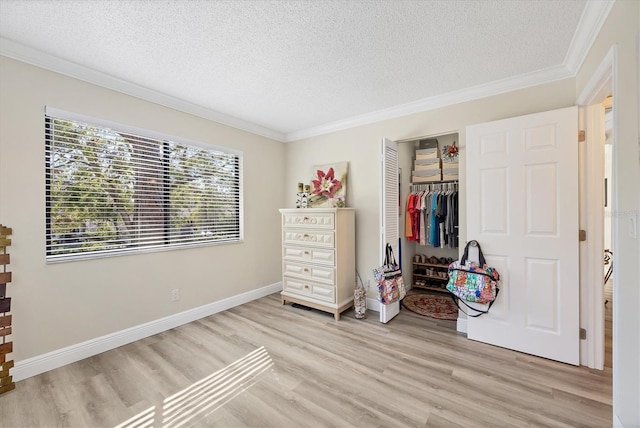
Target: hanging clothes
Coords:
[(408, 227), (431, 216), (423, 228)]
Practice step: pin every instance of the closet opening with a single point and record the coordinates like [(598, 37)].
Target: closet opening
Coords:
[(429, 223)]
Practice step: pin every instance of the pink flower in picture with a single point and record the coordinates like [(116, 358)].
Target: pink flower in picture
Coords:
[(326, 184)]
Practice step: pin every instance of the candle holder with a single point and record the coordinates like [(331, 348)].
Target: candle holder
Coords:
[(302, 197), (302, 200)]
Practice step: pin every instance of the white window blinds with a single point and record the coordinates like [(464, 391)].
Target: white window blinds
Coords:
[(113, 190)]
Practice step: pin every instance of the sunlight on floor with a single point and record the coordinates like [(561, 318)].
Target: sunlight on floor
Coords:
[(205, 396)]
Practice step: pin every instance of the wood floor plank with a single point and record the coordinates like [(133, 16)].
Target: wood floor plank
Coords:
[(263, 364)]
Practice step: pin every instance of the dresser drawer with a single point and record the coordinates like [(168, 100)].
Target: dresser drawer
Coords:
[(321, 292), (310, 255), (310, 221), (309, 237), (324, 274)]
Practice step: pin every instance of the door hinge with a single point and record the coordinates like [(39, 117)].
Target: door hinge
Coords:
[(583, 334), (581, 136), (582, 235)]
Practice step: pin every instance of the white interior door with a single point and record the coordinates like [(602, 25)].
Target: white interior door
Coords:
[(522, 207), (389, 213)]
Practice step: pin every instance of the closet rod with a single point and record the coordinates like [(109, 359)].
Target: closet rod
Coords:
[(436, 185), (435, 182)]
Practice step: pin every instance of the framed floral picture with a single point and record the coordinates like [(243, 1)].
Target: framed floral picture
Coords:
[(329, 186)]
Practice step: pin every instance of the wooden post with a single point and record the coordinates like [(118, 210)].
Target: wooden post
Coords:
[(6, 347)]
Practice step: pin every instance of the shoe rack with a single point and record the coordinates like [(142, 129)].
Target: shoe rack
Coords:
[(430, 273)]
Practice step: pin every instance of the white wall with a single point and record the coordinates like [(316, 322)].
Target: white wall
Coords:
[(59, 305), (622, 29), (361, 146)]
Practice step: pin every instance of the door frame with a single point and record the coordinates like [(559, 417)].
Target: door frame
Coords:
[(591, 177)]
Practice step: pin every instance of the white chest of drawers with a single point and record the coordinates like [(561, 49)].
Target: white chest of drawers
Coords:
[(318, 258)]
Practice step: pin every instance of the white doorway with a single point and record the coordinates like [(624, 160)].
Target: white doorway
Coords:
[(593, 217), (608, 257)]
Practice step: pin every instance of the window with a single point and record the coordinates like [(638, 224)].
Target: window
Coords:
[(111, 190)]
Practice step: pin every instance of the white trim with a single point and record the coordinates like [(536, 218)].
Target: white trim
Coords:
[(593, 286), (593, 17), (591, 290), (373, 305), (461, 326), (591, 21), (617, 423), (595, 87), (61, 357), (509, 84), (41, 59)]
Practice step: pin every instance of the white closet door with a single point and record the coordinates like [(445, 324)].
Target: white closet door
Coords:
[(522, 206), (389, 213)]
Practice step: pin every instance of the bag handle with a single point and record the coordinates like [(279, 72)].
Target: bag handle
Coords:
[(386, 255), (465, 256), (456, 299), (390, 256)]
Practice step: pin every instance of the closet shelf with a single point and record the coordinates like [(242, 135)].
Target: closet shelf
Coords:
[(419, 183), (425, 275), (431, 265), (420, 275)]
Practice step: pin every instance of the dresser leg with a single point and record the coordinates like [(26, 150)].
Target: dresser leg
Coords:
[(336, 315)]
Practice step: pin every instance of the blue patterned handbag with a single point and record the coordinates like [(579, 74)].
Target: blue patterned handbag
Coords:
[(473, 282)]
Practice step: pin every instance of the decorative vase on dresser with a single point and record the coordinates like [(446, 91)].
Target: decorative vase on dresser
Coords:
[(318, 258)]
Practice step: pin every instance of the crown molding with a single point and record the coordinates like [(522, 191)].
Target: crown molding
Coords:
[(593, 17), (44, 60), (591, 21), (468, 94), (596, 87)]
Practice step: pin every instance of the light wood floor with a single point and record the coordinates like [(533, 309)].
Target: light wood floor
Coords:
[(267, 365)]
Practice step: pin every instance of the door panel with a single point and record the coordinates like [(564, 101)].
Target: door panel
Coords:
[(494, 192), (390, 232), (522, 206), (541, 200)]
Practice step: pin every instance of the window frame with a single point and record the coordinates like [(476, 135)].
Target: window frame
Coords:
[(51, 113)]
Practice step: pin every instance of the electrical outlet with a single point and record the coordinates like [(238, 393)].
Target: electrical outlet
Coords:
[(175, 294), (368, 284)]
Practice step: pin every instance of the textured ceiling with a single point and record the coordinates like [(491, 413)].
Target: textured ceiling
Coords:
[(289, 66)]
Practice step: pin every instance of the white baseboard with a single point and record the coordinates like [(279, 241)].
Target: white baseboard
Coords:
[(61, 357), (373, 305), (616, 422), (461, 326)]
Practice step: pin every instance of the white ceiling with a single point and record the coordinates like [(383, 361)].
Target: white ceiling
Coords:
[(291, 69)]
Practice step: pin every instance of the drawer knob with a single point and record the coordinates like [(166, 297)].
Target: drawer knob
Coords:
[(306, 253), (306, 286), (306, 270)]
